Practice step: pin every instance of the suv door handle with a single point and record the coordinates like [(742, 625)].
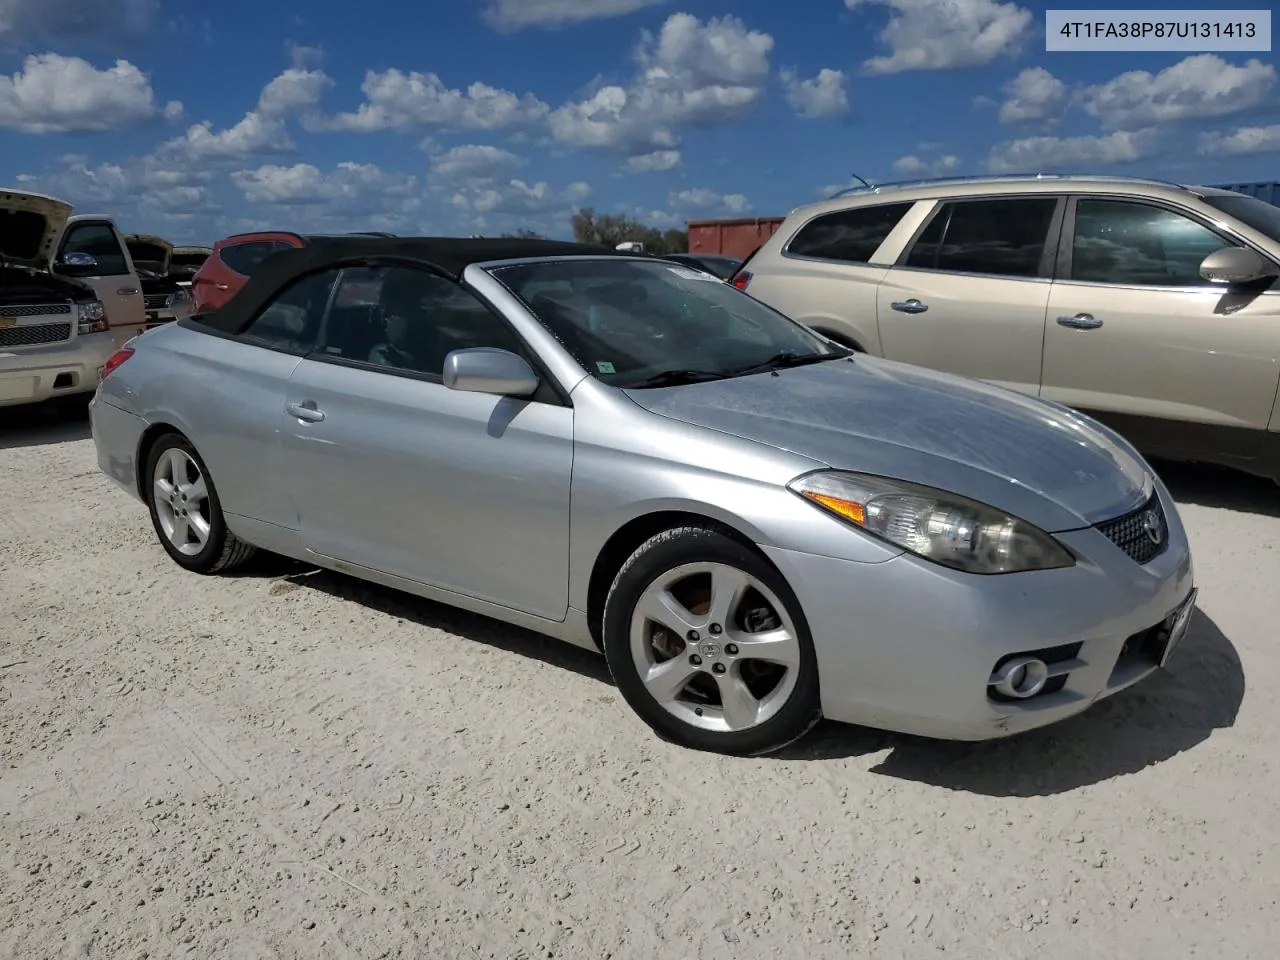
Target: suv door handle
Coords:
[(127, 291), (909, 306), (1081, 321), (307, 410)]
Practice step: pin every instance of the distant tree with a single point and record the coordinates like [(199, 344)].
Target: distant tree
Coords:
[(611, 229), (524, 234)]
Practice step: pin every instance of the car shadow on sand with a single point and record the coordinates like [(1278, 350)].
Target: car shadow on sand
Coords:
[(1169, 712), (427, 613), (41, 425), (1211, 486)]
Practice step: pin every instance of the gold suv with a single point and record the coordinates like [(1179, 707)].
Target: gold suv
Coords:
[(1151, 306)]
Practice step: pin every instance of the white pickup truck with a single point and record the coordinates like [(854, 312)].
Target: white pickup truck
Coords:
[(69, 296)]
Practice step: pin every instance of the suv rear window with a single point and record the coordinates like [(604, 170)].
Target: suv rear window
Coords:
[(851, 236), (1000, 237), (244, 258)]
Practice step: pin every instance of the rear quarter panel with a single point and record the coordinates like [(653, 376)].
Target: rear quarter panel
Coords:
[(227, 398)]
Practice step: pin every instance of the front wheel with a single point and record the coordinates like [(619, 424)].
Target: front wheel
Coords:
[(708, 644), (186, 511)]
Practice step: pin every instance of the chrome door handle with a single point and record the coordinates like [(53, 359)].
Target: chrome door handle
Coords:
[(127, 291), (1081, 321), (909, 306), (305, 411), (222, 286)]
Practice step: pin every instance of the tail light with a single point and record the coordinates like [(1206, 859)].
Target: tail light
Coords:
[(741, 279), (114, 361)]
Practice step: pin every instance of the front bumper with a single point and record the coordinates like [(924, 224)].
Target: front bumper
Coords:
[(909, 646), (36, 374)]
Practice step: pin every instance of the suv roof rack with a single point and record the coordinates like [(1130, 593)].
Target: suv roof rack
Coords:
[(1000, 178)]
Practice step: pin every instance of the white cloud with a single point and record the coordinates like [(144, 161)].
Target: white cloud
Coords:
[(1043, 154), (263, 131), (508, 16), (690, 73), (823, 96), (30, 20), (945, 34), (913, 166), (517, 204), (395, 100), (1242, 140), (705, 202), (656, 162), (473, 163), (56, 94), (134, 190), (1034, 95), (348, 189), (1196, 88)]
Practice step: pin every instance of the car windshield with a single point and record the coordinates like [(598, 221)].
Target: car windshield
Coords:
[(1262, 216), (637, 323)]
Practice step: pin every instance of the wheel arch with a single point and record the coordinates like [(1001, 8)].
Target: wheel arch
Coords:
[(146, 443), (627, 539)]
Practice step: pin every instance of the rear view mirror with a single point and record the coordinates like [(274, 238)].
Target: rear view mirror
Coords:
[(76, 264), (1236, 265), (488, 370)]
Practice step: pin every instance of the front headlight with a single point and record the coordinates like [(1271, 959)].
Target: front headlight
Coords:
[(91, 317), (946, 528)]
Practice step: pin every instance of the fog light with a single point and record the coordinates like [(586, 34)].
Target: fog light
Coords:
[(1020, 677)]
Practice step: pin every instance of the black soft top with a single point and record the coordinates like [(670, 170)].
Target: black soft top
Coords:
[(449, 255)]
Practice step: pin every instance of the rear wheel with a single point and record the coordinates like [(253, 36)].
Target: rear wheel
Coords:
[(708, 644), (186, 512)]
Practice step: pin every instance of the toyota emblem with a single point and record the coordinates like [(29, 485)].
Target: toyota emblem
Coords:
[(1151, 527)]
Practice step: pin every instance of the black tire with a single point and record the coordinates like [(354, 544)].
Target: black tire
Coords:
[(223, 550), (697, 544)]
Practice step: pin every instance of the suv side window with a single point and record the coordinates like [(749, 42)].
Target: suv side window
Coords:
[(244, 258), (1123, 242), (851, 236), (1000, 237), (408, 320), (100, 242), (291, 322)]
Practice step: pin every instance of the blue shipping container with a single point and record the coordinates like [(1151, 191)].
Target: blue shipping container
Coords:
[(1268, 190)]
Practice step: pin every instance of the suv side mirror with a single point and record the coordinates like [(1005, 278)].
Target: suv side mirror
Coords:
[(1235, 266), (76, 264), (489, 370)]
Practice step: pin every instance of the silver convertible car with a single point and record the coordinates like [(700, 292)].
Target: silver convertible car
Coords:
[(756, 526)]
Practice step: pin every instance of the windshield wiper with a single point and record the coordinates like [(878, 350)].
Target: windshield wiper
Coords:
[(675, 378), (788, 358)]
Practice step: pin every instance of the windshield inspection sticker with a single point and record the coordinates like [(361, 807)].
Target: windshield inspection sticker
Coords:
[(684, 273), (604, 366)]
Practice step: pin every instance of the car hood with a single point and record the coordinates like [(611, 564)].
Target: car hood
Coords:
[(149, 253), (1038, 461), (29, 226)]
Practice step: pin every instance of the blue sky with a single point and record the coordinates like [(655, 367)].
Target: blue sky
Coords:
[(480, 116)]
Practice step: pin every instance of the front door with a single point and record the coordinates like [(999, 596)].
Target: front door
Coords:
[(393, 471), (1136, 337), (969, 294), (114, 281)]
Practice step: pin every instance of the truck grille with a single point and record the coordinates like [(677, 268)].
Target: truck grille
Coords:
[(34, 334), (36, 310), (156, 301), (1142, 534)]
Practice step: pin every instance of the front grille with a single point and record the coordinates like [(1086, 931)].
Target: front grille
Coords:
[(35, 334), (156, 301), (36, 310), (1142, 534)]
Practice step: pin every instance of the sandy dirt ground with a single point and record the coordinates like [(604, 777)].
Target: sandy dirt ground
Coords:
[(287, 763)]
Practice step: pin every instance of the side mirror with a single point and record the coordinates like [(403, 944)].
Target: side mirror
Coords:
[(1236, 265), (76, 264), (488, 370)]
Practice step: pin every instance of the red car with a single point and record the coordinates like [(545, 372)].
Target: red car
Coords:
[(234, 260)]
